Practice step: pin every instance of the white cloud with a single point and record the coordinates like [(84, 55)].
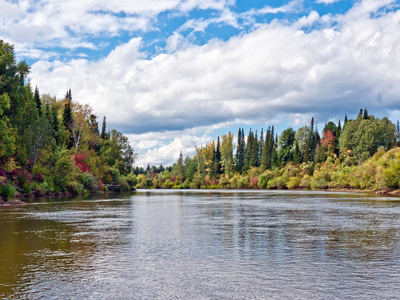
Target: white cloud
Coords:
[(8, 9), (176, 41), (327, 1), (247, 76), (53, 23), (308, 20), (170, 145), (275, 72), (292, 6)]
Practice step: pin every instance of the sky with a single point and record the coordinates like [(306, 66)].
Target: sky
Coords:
[(176, 74)]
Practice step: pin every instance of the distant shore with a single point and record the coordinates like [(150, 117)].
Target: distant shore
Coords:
[(18, 200)]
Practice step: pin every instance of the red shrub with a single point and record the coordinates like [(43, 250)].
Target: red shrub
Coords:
[(78, 159)]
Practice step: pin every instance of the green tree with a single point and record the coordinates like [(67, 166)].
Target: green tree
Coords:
[(37, 100), (286, 144), (68, 119), (268, 155), (217, 158), (7, 134), (363, 137), (118, 152), (251, 158), (240, 151), (302, 137), (12, 83), (227, 154)]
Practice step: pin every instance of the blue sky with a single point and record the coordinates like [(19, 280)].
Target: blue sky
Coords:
[(175, 74)]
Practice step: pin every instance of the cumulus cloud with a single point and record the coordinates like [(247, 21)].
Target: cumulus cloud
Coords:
[(276, 71), (168, 150), (247, 76), (67, 23)]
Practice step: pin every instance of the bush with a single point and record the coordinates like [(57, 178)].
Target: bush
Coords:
[(115, 175), (87, 180), (253, 183), (42, 188), (75, 187), (168, 184), (243, 182), (321, 179), (293, 183), (224, 182), (131, 179), (186, 184), (263, 180), (305, 182), (8, 191)]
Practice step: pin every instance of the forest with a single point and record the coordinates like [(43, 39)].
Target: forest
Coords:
[(54, 147), (363, 154)]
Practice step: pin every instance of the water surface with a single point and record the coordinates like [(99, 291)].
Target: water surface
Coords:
[(163, 244)]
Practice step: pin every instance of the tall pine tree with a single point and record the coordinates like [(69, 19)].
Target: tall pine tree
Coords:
[(103, 129), (68, 119), (240, 151), (36, 98)]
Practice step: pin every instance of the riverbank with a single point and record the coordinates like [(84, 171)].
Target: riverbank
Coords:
[(23, 199), (19, 200)]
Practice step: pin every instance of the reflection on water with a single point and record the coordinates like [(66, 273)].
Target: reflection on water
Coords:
[(203, 245)]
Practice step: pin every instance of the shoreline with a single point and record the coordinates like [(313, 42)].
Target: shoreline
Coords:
[(18, 200)]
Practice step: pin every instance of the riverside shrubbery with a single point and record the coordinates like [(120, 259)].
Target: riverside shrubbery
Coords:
[(379, 172)]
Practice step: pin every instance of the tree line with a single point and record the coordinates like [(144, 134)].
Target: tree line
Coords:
[(294, 159), (54, 146)]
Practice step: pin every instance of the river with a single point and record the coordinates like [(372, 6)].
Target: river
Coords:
[(165, 244)]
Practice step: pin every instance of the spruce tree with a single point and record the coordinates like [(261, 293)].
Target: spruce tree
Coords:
[(218, 158), (365, 115), (240, 151), (103, 129), (297, 154), (68, 121), (261, 145), (249, 151), (36, 98)]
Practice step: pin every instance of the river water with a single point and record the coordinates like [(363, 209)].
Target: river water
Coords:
[(164, 244)]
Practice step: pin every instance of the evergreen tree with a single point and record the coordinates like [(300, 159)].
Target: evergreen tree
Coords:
[(365, 115), (268, 155), (256, 152), (218, 158), (261, 145), (36, 97), (248, 157), (68, 120), (297, 154), (240, 151), (180, 164), (339, 130), (103, 129), (286, 143)]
